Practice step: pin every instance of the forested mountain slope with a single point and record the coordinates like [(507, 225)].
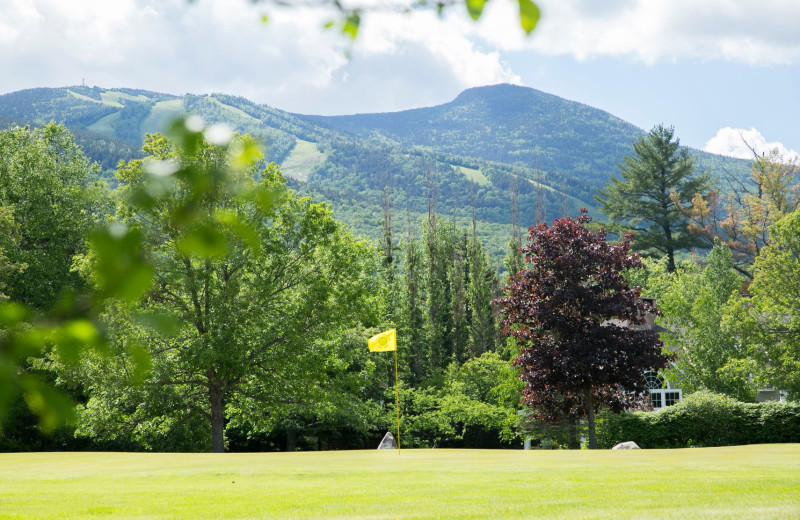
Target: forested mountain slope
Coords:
[(480, 147), (515, 125)]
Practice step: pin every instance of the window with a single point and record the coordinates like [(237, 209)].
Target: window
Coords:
[(661, 398), (652, 380), (671, 398), (655, 399)]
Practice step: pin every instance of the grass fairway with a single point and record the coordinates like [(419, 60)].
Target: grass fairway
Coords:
[(737, 482)]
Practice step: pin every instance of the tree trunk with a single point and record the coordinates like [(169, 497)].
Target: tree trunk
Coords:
[(589, 403), (671, 261), (574, 442), (670, 249), (217, 418)]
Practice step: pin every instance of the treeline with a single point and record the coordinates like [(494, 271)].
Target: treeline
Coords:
[(199, 303), (250, 332)]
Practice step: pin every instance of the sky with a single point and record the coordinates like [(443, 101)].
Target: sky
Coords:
[(716, 70)]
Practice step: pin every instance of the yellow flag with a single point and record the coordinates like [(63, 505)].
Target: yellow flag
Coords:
[(383, 342)]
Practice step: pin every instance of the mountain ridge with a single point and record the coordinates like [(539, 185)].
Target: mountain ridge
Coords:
[(555, 152)]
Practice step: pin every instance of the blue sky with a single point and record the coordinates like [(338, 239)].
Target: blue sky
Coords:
[(698, 98), (709, 68)]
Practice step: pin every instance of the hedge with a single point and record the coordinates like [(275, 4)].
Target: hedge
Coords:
[(704, 419)]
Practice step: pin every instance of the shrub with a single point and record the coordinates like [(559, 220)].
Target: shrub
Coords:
[(704, 419)]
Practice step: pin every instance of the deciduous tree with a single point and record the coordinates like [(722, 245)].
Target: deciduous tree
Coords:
[(768, 323), (741, 219), (577, 321), (694, 303), (253, 290), (47, 192)]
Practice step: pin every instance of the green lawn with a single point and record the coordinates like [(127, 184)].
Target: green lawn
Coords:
[(301, 160), (736, 482)]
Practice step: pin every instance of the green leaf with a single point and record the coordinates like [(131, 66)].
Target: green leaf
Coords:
[(267, 198), (245, 152), (351, 24), (528, 15), (142, 363), (163, 325), (204, 240), (187, 132), (28, 343), (74, 336), (475, 8), (121, 269), (53, 407), (12, 313), (244, 231)]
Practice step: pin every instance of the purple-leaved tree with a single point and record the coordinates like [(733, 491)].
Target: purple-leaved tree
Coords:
[(579, 323)]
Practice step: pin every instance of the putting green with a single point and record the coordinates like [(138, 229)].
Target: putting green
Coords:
[(736, 482)]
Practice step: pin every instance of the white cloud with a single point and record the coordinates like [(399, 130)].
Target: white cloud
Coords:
[(736, 142), (754, 33), (398, 61), (221, 45)]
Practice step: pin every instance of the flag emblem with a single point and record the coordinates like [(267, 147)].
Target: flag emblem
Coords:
[(383, 342)]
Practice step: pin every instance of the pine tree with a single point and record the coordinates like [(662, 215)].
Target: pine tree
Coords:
[(654, 193)]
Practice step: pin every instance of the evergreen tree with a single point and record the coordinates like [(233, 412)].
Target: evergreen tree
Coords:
[(439, 317), (654, 193), (459, 279), (482, 329), (411, 333)]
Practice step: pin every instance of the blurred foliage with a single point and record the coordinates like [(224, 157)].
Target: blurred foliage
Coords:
[(350, 14), (61, 316)]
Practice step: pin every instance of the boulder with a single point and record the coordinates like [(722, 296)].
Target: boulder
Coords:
[(388, 443), (629, 445)]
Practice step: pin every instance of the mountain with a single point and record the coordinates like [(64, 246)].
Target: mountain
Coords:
[(515, 125), (480, 146)]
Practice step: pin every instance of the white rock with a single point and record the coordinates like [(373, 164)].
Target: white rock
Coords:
[(387, 443), (629, 445)]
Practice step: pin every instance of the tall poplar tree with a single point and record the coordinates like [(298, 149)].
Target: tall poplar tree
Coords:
[(653, 194)]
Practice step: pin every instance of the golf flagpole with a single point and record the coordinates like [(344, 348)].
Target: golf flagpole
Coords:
[(385, 342)]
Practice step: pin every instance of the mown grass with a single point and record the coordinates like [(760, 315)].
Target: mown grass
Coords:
[(301, 160), (475, 176), (161, 115), (711, 483)]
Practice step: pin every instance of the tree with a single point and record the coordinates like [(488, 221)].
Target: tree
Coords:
[(768, 323), (252, 289), (742, 220), (576, 320), (482, 284), (49, 200), (9, 241), (653, 193), (694, 303)]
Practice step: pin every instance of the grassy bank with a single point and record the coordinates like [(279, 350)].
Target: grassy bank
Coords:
[(734, 482)]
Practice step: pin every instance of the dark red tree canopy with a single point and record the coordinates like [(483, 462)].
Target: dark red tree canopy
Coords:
[(578, 322)]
